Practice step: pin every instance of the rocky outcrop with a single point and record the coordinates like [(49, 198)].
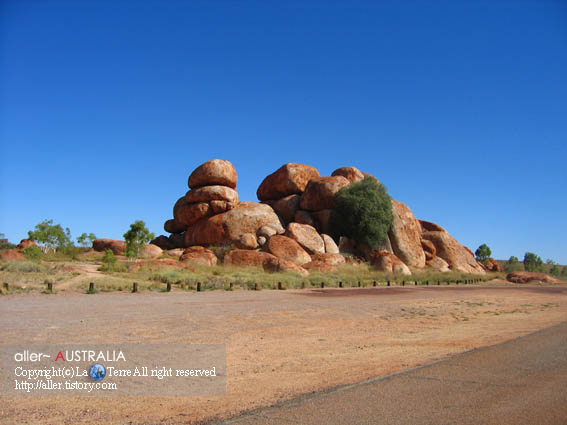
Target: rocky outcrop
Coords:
[(284, 265), (163, 242), (287, 180), (247, 241), (322, 219), (456, 255), (304, 217), (405, 236), (11, 255), (24, 243), (172, 226), (150, 251), (287, 249), (199, 256), (187, 214), (246, 258), (117, 247), (330, 245), (332, 259), (319, 266), (526, 277), (320, 193), (389, 263), (307, 237), (352, 174), (428, 249), (438, 264), (246, 217), (213, 172), (491, 265), (212, 193), (286, 207)]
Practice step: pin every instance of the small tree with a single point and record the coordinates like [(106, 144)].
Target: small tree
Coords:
[(51, 236), (532, 262), (363, 212), (564, 271), (483, 253), (512, 265), (32, 253), (136, 237), (86, 240)]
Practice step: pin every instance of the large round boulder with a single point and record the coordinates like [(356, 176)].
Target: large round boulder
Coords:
[(213, 172), (405, 236), (438, 264), (330, 245), (163, 242), (322, 219), (456, 255), (117, 247), (11, 255), (320, 193), (150, 251), (24, 243), (212, 193), (246, 258), (389, 263), (188, 214), (307, 237), (287, 248), (332, 259), (287, 180), (352, 174), (285, 207), (283, 265), (173, 226), (525, 277), (246, 217), (199, 256)]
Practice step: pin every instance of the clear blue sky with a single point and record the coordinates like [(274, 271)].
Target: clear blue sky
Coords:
[(458, 107)]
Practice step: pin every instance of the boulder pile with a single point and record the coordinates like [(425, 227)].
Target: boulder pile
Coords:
[(288, 230)]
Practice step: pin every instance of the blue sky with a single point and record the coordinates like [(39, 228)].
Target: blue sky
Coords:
[(459, 108)]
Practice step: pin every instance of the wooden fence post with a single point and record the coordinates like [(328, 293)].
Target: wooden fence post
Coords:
[(135, 287)]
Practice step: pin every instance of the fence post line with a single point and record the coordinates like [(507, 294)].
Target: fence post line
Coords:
[(135, 287)]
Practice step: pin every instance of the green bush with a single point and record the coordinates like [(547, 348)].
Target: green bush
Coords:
[(22, 267), (483, 253), (136, 237), (363, 212), (32, 253), (512, 265), (532, 262)]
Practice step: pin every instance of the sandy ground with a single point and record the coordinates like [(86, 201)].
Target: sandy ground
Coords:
[(279, 343)]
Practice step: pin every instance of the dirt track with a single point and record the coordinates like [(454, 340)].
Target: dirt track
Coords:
[(279, 343)]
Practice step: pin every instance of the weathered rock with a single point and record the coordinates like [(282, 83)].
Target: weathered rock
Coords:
[(172, 226), (266, 231), (427, 226), (162, 241), (303, 217), (347, 245), (287, 248), (286, 207), (176, 252), (525, 277), (458, 258), (322, 219), (366, 176), (24, 243), (199, 256), (352, 174), (161, 263), (117, 247), (178, 204), (11, 255), (246, 258), (213, 172), (283, 265), (307, 237), (177, 240), (389, 263), (320, 193), (428, 249), (438, 264), (246, 217), (289, 179), (188, 214), (330, 245), (319, 266), (405, 236), (332, 259), (262, 240), (491, 265), (221, 206), (212, 193), (150, 251), (247, 241)]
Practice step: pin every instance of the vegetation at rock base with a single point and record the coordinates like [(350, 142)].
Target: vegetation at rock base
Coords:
[(512, 265), (532, 262), (32, 253), (136, 237), (483, 253), (363, 212), (51, 236)]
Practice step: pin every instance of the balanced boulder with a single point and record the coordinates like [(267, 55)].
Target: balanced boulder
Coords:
[(212, 193), (213, 172), (405, 236), (199, 256), (320, 193), (287, 248), (330, 245), (117, 247), (352, 174), (287, 180), (307, 237)]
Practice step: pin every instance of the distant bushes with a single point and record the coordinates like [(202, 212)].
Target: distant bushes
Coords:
[(22, 267)]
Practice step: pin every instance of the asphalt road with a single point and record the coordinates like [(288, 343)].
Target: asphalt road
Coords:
[(522, 381)]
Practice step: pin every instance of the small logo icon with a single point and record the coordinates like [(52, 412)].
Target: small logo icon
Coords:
[(97, 372)]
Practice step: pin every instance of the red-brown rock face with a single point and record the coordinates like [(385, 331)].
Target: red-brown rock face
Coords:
[(287, 248), (150, 251), (352, 174), (11, 255), (332, 259), (24, 243), (525, 277), (389, 263), (246, 258), (117, 247), (212, 193), (213, 172), (188, 214), (198, 256), (405, 236), (457, 256), (289, 179), (492, 265), (283, 265), (286, 207), (246, 217), (307, 237), (320, 193)]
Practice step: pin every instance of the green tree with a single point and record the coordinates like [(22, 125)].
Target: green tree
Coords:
[(363, 212), (32, 253), (483, 253), (532, 262), (51, 236), (512, 265), (136, 237), (564, 271), (86, 240)]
